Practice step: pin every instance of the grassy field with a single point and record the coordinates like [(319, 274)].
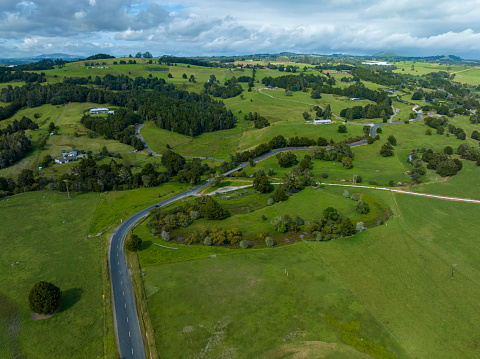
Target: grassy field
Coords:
[(423, 68), (47, 237), (116, 205), (244, 305), (421, 302)]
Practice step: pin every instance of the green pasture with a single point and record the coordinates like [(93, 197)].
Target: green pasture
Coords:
[(115, 206), (367, 163), (403, 274), (463, 184), (401, 271), (470, 76), (423, 68), (46, 235), (244, 305)]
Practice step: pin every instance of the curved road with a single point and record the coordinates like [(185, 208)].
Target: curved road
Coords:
[(128, 333)]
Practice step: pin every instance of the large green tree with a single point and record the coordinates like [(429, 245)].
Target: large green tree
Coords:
[(44, 297)]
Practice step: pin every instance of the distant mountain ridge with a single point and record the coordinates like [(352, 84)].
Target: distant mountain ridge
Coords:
[(58, 56)]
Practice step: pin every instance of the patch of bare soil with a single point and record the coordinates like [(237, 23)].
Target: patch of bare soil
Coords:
[(36, 316)]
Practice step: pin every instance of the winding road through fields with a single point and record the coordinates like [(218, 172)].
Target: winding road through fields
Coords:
[(127, 327)]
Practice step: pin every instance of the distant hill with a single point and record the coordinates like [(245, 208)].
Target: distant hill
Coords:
[(386, 54), (58, 56)]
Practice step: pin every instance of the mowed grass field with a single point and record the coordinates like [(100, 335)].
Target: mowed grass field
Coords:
[(47, 236), (401, 271)]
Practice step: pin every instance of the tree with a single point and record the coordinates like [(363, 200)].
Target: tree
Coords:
[(286, 159), (362, 207), (307, 116), (25, 178), (261, 184), (347, 162), (244, 244), (133, 243), (210, 209), (387, 150), (342, 129), (330, 213), (392, 140), (448, 150), (138, 55), (147, 55), (51, 127), (327, 114), (44, 297), (165, 236), (360, 227), (279, 195), (269, 242), (279, 224)]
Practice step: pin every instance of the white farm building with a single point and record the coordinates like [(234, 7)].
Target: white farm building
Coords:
[(94, 111), (321, 122)]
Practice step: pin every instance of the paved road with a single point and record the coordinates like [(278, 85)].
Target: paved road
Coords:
[(129, 337)]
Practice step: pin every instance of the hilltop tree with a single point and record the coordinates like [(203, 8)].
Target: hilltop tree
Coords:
[(44, 297)]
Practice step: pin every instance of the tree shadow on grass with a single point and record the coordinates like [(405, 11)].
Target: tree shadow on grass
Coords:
[(146, 244), (70, 297)]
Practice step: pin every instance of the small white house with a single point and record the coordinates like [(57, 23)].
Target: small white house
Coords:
[(321, 122)]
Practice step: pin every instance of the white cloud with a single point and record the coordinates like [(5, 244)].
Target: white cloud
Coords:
[(193, 27)]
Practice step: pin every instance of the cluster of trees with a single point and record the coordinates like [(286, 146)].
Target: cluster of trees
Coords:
[(118, 126), (7, 75), (382, 110), (13, 147), (385, 77), (437, 123), (339, 151), (297, 83), (331, 225), (286, 159), (441, 163), (24, 124), (217, 236), (469, 153), (185, 60), (258, 121), (100, 57), (457, 131), (231, 89), (117, 83)]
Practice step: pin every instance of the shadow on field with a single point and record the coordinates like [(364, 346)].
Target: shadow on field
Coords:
[(70, 297), (146, 244)]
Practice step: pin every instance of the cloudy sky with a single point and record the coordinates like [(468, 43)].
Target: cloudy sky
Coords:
[(224, 27)]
